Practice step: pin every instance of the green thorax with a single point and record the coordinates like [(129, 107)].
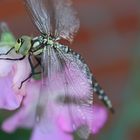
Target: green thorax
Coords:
[(44, 40), (50, 41)]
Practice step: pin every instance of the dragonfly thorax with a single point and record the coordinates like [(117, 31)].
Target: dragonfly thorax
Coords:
[(42, 40)]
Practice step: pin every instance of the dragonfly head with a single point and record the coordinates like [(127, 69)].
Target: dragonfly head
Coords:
[(23, 45)]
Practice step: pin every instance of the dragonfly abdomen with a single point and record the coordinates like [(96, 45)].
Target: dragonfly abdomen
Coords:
[(102, 95)]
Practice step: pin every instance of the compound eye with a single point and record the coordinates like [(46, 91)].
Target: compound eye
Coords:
[(18, 41)]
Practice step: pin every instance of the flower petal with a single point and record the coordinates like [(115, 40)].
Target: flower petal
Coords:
[(64, 120), (100, 117), (22, 71), (50, 133), (25, 117), (8, 98), (5, 67), (98, 121)]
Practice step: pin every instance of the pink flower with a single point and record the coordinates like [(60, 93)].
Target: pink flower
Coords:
[(12, 73), (55, 121), (57, 126), (8, 98)]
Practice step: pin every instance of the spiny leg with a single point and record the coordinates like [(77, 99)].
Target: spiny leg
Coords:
[(7, 51), (32, 71), (28, 78), (38, 60), (13, 59), (25, 80)]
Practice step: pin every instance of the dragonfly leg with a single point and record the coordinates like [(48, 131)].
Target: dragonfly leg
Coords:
[(13, 59), (38, 60), (32, 71), (25, 80), (31, 74), (7, 51)]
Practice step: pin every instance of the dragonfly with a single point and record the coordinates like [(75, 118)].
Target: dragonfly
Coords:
[(56, 20)]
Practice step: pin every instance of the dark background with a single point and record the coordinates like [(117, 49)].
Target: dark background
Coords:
[(109, 40)]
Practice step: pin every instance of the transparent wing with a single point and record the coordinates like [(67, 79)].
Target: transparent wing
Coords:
[(78, 91), (50, 67), (39, 10), (67, 23), (68, 85), (44, 72)]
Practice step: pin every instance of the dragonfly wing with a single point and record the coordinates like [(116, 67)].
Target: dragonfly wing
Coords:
[(78, 90), (67, 23), (40, 14), (50, 69), (68, 84)]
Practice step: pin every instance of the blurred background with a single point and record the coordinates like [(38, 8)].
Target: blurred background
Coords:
[(109, 40)]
